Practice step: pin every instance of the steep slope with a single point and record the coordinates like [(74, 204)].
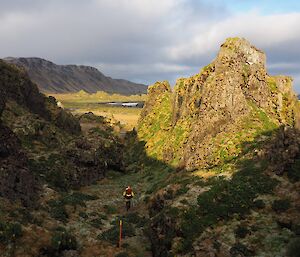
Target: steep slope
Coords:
[(197, 124), (44, 157), (53, 78), (232, 132), (41, 143)]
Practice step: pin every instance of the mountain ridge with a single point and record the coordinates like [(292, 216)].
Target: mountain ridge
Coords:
[(54, 78)]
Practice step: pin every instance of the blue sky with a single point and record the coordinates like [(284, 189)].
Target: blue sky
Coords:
[(150, 40), (264, 6)]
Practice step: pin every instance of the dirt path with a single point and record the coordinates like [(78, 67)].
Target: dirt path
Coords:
[(108, 210)]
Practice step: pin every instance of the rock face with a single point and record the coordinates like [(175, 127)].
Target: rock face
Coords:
[(41, 143), (16, 180), (52, 78), (283, 149), (233, 93)]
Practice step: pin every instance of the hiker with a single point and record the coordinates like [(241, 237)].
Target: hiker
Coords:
[(128, 194)]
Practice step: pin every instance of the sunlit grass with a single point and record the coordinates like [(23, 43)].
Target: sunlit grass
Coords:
[(82, 102), (100, 96)]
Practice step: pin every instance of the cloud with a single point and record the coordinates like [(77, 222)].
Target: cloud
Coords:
[(144, 40)]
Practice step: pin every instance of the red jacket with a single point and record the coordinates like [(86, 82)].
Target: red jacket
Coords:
[(128, 193)]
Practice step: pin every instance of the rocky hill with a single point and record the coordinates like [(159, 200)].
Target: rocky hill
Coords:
[(44, 156), (232, 133), (204, 113), (41, 143), (53, 78)]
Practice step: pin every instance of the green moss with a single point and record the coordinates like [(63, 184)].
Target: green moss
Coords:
[(154, 127), (271, 81), (268, 125), (206, 68)]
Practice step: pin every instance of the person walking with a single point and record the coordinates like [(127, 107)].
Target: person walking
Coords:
[(128, 195)]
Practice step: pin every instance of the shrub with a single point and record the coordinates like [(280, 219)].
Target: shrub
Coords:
[(183, 190), (259, 204), (296, 229), (102, 216), (58, 211), (110, 209), (294, 171), (83, 215), (281, 205), (134, 218), (112, 235), (63, 240), (96, 222), (239, 249), (51, 170), (23, 215), (293, 248), (241, 232), (191, 226), (9, 232), (226, 198)]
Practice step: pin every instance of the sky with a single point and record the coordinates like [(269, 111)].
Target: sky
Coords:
[(150, 40)]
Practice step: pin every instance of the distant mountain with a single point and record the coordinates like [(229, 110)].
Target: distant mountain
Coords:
[(53, 78)]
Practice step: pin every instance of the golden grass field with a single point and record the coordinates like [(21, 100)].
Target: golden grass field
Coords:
[(82, 102)]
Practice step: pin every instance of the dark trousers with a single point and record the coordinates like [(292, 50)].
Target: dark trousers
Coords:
[(128, 204)]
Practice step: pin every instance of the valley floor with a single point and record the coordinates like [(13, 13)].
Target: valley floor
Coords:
[(111, 207)]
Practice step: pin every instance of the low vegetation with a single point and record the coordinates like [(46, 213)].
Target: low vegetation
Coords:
[(10, 232)]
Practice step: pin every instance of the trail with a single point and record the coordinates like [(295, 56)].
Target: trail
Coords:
[(108, 209)]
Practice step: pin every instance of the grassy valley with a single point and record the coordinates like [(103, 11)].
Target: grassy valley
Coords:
[(214, 165)]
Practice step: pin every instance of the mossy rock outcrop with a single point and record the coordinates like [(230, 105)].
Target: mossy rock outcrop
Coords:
[(206, 118)]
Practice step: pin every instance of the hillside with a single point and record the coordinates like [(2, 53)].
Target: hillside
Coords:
[(53, 78), (232, 133), (214, 165), (230, 100)]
